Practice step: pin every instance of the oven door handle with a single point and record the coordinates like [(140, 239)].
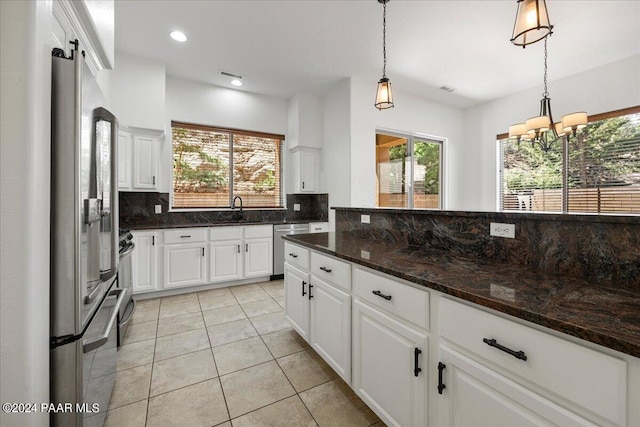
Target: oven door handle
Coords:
[(130, 249), (88, 346)]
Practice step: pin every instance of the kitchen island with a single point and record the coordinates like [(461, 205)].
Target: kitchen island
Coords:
[(607, 314)]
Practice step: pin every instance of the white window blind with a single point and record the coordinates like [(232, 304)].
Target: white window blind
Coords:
[(603, 171), (203, 158)]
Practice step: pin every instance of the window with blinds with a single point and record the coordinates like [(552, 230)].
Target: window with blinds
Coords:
[(603, 173), (211, 166)]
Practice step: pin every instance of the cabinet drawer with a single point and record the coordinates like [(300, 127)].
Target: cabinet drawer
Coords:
[(405, 302), (585, 377), (225, 233), (252, 231), (331, 269), (185, 235), (296, 255), (318, 227)]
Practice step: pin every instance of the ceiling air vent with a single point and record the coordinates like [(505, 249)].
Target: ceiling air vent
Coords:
[(232, 75)]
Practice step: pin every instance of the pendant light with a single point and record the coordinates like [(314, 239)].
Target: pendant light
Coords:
[(542, 127), (542, 130), (384, 97), (532, 23)]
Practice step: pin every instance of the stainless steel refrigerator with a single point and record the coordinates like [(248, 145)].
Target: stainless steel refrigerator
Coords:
[(84, 245)]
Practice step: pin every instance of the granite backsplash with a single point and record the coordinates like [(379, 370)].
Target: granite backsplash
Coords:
[(596, 247), (137, 210)]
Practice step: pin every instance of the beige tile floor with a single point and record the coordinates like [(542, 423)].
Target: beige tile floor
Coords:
[(226, 357)]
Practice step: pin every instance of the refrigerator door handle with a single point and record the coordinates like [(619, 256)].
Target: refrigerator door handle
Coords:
[(88, 346)]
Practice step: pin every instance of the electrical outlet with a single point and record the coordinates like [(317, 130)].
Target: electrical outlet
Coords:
[(365, 219), (364, 254), (503, 230), (296, 207), (158, 209)]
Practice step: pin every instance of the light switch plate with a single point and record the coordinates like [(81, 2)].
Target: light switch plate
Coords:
[(365, 219), (503, 230), (158, 209), (296, 207)]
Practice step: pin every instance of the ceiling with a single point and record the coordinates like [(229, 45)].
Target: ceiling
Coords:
[(285, 47)]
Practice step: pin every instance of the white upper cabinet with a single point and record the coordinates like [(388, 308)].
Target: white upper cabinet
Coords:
[(138, 160), (92, 22), (305, 163)]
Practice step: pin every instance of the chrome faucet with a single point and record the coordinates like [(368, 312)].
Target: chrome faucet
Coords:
[(238, 216)]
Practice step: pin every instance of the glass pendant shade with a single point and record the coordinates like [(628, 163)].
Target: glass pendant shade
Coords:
[(384, 97), (532, 22), (574, 121), (537, 125), (516, 131)]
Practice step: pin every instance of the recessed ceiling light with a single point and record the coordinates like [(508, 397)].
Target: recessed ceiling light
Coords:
[(236, 82), (178, 36)]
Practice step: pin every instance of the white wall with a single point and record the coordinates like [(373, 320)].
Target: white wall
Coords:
[(411, 114), (473, 184), (335, 178), (138, 92), (199, 103), (25, 154)]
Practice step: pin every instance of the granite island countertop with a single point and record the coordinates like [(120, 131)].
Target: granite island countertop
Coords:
[(604, 313)]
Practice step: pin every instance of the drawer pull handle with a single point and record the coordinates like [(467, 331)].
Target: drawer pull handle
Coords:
[(328, 270), (381, 295), (493, 343), (292, 255), (303, 292), (310, 286), (416, 369), (185, 236), (238, 248), (441, 386)]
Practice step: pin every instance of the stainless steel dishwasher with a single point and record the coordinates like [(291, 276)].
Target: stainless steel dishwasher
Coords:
[(278, 243)]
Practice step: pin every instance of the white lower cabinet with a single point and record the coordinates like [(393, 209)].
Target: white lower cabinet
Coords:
[(390, 362), (225, 260), (476, 395), (330, 325), (296, 299), (144, 261), (258, 257), (184, 265), (320, 312)]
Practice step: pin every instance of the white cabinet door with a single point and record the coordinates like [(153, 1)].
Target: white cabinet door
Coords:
[(476, 395), (258, 257), (225, 260), (330, 326), (296, 299), (144, 261), (306, 169), (389, 367), (124, 160), (145, 163), (184, 265)]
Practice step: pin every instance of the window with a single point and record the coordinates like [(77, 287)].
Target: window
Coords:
[(212, 165), (602, 173), (408, 171)]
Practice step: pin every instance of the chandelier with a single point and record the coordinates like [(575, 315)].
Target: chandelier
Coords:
[(542, 130)]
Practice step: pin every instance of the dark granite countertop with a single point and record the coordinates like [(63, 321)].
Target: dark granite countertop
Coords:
[(165, 226), (603, 313)]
